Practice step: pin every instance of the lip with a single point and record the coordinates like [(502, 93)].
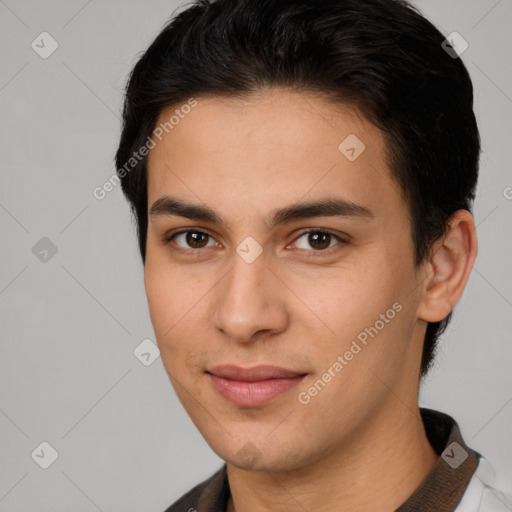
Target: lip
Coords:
[(252, 387)]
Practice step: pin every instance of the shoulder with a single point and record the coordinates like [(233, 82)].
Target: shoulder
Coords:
[(209, 494), (188, 501), (482, 494)]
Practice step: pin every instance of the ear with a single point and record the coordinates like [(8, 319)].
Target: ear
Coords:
[(448, 268)]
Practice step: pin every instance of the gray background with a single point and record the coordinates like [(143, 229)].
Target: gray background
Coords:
[(70, 324)]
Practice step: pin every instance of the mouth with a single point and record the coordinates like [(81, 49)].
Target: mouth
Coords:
[(253, 387)]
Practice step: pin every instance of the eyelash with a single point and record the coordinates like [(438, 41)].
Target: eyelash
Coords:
[(170, 237)]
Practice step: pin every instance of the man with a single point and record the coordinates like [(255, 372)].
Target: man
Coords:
[(302, 175)]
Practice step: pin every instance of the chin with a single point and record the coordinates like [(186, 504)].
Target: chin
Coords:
[(254, 456)]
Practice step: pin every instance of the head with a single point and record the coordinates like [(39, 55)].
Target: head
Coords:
[(248, 108)]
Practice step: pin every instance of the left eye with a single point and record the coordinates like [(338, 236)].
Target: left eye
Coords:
[(319, 240)]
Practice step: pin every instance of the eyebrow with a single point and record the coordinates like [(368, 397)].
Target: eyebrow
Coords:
[(327, 207)]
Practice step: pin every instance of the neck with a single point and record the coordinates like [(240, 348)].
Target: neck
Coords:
[(376, 470)]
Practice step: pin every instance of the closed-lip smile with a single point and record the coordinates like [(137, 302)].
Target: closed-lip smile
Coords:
[(252, 387)]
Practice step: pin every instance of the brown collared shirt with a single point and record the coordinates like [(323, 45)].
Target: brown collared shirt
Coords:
[(442, 490)]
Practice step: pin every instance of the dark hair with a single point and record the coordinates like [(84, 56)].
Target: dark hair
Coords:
[(381, 56)]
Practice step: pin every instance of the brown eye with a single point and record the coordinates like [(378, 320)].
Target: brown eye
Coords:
[(318, 240), (191, 239)]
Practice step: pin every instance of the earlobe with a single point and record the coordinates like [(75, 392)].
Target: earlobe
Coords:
[(452, 258)]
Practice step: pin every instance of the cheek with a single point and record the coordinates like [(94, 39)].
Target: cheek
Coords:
[(177, 309), (170, 292), (162, 301), (167, 300), (353, 299), (365, 306)]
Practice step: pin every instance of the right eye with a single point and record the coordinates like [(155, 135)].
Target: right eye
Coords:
[(191, 239)]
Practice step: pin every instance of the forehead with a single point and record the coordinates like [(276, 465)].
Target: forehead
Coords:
[(268, 146), (272, 118)]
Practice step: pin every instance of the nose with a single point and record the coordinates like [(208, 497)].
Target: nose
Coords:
[(250, 302)]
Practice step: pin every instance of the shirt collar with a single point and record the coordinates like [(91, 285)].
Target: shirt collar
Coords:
[(441, 490)]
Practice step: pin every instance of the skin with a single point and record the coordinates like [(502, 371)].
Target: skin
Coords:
[(359, 444)]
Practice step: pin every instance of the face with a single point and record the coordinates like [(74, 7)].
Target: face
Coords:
[(279, 275)]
